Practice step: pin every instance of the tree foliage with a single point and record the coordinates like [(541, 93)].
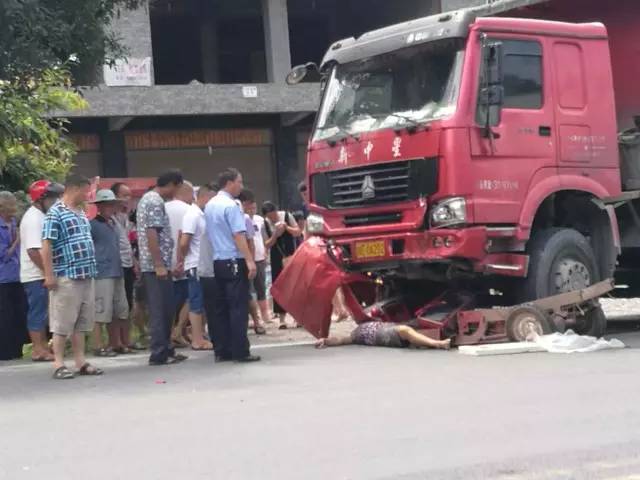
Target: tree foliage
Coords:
[(46, 46), (37, 34), (32, 145)]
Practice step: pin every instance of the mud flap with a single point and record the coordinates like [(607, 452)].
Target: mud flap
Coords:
[(307, 285)]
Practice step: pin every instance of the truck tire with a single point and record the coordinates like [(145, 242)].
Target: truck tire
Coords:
[(562, 260)]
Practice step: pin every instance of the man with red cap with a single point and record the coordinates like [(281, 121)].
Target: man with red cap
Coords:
[(43, 194)]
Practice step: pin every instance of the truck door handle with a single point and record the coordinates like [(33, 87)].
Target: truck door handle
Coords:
[(544, 131)]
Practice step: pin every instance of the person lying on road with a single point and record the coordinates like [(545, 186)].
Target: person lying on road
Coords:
[(384, 334)]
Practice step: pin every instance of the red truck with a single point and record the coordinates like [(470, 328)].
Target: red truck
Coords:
[(467, 152)]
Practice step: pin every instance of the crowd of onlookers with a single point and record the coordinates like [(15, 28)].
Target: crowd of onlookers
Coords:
[(181, 266)]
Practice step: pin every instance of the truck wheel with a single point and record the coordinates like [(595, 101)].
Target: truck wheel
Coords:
[(524, 320), (560, 260), (593, 323)]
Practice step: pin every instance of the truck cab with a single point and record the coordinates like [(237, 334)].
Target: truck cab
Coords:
[(461, 147)]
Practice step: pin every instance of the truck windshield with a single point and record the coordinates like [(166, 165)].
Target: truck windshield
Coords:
[(398, 89)]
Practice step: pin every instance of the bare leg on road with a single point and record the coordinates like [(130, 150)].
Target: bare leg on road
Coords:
[(197, 332), (178, 332), (59, 342), (419, 340), (77, 345)]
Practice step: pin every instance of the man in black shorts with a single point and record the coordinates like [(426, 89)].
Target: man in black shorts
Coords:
[(258, 287), (384, 334)]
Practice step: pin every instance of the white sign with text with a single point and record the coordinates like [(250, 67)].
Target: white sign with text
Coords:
[(129, 72), (250, 91)]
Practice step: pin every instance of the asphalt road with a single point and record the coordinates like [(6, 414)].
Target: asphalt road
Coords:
[(344, 413)]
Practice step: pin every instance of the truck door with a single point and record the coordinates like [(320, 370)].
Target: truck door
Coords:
[(574, 130), (585, 114), (522, 139)]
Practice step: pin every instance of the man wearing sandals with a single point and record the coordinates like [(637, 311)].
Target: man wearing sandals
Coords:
[(248, 221), (258, 306), (43, 195), (193, 235), (68, 257), (112, 308)]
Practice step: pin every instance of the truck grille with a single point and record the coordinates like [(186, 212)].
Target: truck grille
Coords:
[(371, 184), (377, 184)]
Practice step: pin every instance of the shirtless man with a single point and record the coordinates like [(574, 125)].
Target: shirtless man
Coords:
[(384, 334)]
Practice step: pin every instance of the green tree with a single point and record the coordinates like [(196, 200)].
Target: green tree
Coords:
[(38, 34), (47, 46), (32, 145)]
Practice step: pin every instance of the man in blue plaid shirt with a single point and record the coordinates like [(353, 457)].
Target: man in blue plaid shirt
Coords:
[(69, 262)]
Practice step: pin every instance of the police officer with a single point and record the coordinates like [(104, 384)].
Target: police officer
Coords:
[(234, 267)]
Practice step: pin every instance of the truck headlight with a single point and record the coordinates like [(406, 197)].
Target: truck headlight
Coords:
[(449, 212), (315, 223)]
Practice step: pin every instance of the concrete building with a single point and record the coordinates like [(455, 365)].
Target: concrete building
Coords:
[(203, 87)]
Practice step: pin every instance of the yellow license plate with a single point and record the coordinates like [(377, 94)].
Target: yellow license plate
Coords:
[(366, 250)]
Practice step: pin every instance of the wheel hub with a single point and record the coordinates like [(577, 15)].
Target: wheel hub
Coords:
[(525, 325), (572, 275)]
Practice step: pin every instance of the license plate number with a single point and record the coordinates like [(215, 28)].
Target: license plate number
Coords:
[(366, 250)]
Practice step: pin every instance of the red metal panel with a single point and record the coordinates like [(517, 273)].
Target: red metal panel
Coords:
[(568, 66), (621, 21), (374, 147), (306, 287), (534, 26)]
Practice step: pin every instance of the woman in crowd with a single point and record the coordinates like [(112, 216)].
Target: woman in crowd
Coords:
[(13, 304), (282, 232)]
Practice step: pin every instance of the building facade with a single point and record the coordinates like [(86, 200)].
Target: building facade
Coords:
[(203, 86)]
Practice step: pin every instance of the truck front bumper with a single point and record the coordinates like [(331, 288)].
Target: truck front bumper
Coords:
[(471, 245)]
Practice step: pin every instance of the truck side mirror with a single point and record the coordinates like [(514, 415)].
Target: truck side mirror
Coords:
[(491, 96), (493, 58), (492, 93), (299, 72)]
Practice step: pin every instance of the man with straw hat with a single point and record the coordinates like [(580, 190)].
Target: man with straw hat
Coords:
[(112, 308)]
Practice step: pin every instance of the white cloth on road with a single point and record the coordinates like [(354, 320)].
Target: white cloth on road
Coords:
[(568, 342), (571, 342)]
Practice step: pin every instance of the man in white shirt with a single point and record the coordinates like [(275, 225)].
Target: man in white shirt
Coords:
[(176, 210), (208, 279), (259, 285), (192, 238), (43, 194)]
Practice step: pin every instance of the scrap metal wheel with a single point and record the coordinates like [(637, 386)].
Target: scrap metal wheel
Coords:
[(527, 319), (592, 323)]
